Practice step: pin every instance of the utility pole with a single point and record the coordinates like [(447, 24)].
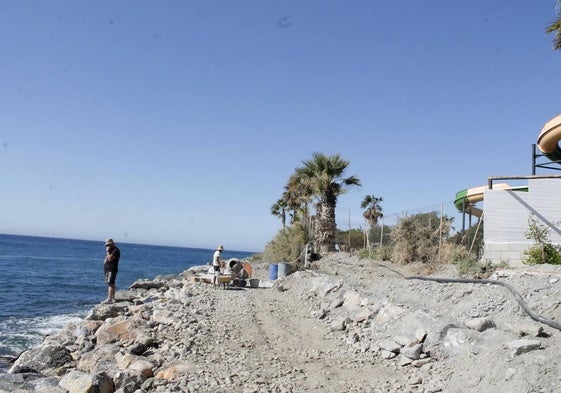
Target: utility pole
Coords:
[(349, 229), (440, 232), (382, 233)]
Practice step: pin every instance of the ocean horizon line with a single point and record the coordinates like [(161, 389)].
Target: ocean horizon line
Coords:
[(124, 242)]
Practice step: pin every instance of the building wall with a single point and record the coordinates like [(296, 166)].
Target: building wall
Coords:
[(506, 219)]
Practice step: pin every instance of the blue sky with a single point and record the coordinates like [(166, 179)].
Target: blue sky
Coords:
[(179, 122)]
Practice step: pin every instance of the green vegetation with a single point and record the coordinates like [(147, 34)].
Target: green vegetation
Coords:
[(469, 265), (350, 240), (319, 182), (322, 178), (372, 212), (419, 238), (471, 239), (287, 245), (424, 237), (543, 251), (555, 28), (377, 253)]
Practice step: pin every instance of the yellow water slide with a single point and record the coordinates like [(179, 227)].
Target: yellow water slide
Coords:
[(548, 141)]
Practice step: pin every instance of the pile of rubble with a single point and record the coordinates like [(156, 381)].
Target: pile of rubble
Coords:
[(348, 325)]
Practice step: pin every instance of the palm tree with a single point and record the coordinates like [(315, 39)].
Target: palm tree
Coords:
[(323, 177), (555, 27), (373, 211), (279, 210), (294, 203), (298, 197)]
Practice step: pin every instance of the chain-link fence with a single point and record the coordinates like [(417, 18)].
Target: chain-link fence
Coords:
[(355, 221)]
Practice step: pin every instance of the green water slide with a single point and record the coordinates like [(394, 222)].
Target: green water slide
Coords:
[(548, 143)]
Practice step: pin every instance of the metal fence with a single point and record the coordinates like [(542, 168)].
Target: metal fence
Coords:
[(354, 219)]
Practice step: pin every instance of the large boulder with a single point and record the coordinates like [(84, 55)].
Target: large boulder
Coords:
[(29, 382), (126, 381), (98, 360), (148, 284), (120, 329), (45, 359), (80, 382)]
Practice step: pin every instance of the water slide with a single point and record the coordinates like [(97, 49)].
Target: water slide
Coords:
[(548, 143), (466, 199)]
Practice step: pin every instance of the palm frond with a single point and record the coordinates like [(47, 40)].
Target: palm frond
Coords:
[(555, 27)]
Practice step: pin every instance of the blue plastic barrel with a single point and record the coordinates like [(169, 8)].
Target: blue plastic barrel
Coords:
[(273, 271), (283, 270)]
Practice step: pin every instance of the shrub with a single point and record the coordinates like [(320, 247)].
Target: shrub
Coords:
[(356, 237), (417, 238), (542, 251), (287, 245), (473, 236), (377, 253), (382, 253)]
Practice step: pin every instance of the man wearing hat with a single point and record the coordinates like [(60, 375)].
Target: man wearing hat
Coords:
[(217, 263), (111, 267)]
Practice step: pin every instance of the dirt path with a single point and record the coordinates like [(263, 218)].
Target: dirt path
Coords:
[(286, 349)]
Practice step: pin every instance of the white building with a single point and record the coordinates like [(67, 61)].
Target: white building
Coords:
[(506, 214)]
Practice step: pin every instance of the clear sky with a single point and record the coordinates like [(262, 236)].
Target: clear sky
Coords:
[(179, 122)]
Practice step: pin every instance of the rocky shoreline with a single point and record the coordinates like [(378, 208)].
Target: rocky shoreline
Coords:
[(347, 325)]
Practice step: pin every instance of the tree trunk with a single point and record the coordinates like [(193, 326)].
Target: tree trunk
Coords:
[(325, 233)]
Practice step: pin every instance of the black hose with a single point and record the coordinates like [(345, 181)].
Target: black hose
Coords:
[(521, 302)]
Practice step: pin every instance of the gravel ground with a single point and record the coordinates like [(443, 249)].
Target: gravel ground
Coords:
[(346, 325), (286, 334)]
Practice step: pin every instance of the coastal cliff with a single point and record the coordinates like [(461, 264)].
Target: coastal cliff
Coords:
[(347, 325)]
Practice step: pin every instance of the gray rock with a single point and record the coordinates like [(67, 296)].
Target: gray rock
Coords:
[(42, 359), (519, 347), (413, 352), (403, 361), (80, 382), (147, 284), (100, 359), (105, 311), (166, 277), (319, 313), (389, 345), (362, 315), (480, 324), (128, 382), (339, 324), (46, 385), (336, 303), (405, 341), (24, 382), (387, 354), (421, 335)]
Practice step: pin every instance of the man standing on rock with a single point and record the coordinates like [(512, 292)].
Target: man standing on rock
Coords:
[(111, 267), (217, 263)]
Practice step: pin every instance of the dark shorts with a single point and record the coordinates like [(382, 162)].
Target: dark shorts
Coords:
[(110, 277), (216, 268)]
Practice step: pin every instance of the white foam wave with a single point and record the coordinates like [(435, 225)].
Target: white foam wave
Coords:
[(17, 335)]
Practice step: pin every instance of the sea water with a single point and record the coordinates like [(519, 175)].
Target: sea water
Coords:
[(46, 283)]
